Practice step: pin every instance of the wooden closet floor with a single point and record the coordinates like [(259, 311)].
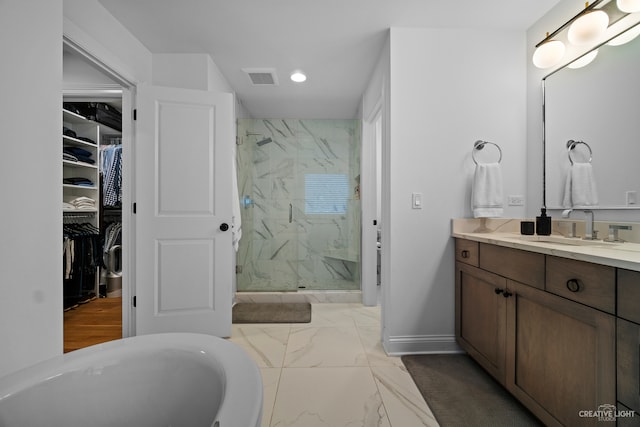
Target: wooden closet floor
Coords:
[(92, 323)]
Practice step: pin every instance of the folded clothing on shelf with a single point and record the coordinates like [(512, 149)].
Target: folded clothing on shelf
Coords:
[(68, 132), (79, 180), (83, 202), (80, 154)]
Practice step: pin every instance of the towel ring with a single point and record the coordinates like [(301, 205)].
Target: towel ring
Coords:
[(571, 144), (479, 145)]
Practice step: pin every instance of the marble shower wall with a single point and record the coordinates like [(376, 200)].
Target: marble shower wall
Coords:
[(312, 251)]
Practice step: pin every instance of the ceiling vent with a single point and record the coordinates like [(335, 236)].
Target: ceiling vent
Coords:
[(262, 76)]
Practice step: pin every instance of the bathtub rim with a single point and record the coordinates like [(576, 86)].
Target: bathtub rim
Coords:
[(242, 376)]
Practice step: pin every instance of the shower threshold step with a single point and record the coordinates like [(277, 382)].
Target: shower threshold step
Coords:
[(313, 297)]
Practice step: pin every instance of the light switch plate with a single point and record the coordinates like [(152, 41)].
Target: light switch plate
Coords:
[(416, 200)]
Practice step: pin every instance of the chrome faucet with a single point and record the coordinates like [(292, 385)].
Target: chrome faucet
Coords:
[(589, 233), (613, 232), (565, 214)]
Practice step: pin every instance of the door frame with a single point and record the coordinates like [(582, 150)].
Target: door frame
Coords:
[(128, 88), (369, 191)]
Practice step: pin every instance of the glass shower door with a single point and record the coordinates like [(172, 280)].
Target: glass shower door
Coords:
[(268, 253), (301, 224)]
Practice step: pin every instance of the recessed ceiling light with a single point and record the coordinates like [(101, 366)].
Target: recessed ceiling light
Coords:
[(298, 76)]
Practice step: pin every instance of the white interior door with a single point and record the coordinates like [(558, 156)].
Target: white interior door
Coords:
[(183, 152)]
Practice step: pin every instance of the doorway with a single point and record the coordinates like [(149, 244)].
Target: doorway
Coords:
[(372, 136), (96, 138)]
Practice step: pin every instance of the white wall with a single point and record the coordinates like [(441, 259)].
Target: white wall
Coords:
[(448, 88), (30, 182), (94, 29), (189, 71)]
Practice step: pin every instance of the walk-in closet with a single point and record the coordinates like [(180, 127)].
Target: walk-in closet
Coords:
[(92, 235)]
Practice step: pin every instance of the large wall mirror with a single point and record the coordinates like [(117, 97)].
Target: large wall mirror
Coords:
[(600, 105)]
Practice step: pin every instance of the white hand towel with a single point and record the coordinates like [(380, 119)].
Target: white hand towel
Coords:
[(580, 187), (486, 191)]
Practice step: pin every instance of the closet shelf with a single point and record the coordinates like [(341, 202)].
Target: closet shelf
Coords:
[(72, 164), (73, 118), (79, 211), (75, 142), (79, 187)]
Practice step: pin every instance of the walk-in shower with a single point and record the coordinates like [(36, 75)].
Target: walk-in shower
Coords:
[(299, 185)]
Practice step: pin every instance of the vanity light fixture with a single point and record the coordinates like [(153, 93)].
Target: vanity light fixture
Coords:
[(584, 60), (625, 37), (628, 6), (590, 25), (586, 26), (298, 77), (548, 53)]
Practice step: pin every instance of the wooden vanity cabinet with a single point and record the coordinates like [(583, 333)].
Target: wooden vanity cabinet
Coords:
[(521, 266), (560, 356), (482, 319), (467, 251), (587, 283), (557, 356), (628, 339)]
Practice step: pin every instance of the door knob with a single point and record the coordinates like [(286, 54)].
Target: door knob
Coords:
[(224, 226)]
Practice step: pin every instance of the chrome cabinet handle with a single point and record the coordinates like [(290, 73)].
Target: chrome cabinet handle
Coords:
[(290, 213), (465, 254)]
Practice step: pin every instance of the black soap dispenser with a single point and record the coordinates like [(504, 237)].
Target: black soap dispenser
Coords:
[(543, 223)]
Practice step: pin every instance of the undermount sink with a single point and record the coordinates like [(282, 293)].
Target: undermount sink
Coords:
[(569, 241)]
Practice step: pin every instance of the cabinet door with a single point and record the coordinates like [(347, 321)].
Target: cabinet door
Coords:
[(629, 364), (481, 317), (561, 357)]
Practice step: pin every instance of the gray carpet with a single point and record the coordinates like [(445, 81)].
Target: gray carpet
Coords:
[(461, 393), (272, 312)]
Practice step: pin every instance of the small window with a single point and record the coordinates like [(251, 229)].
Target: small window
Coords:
[(326, 193)]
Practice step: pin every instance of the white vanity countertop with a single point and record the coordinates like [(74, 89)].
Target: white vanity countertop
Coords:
[(505, 232)]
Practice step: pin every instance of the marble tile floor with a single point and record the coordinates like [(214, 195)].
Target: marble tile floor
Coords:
[(332, 372)]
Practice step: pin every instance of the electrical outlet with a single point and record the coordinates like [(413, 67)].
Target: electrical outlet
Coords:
[(515, 200)]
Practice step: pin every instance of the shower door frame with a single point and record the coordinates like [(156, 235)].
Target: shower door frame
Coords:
[(286, 193)]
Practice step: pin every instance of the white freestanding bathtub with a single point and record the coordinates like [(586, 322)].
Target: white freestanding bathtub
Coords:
[(175, 379)]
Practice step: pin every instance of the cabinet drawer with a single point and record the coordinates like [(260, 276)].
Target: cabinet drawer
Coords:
[(467, 251), (521, 266), (583, 282), (629, 295)]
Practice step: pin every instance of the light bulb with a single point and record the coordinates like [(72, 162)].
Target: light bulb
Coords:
[(628, 6), (588, 27), (548, 54), (625, 37), (584, 60)]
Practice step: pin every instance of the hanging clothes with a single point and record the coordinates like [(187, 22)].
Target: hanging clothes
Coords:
[(112, 172), (112, 237), (81, 257)]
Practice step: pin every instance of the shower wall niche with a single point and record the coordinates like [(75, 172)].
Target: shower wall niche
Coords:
[(299, 185)]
